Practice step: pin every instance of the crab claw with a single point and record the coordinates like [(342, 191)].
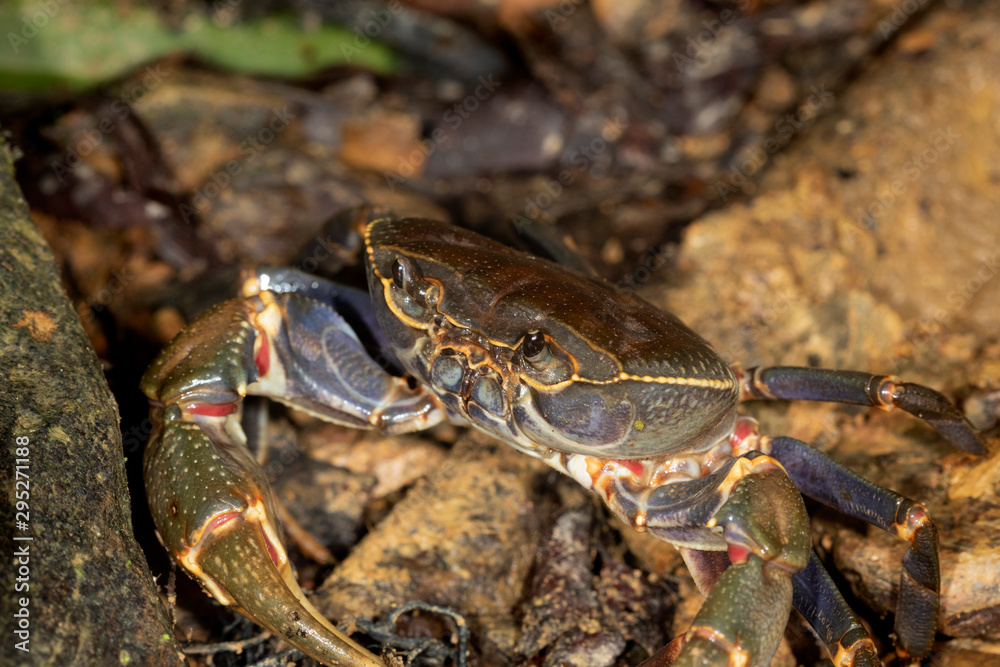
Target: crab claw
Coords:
[(213, 507), (255, 574), (215, 514)]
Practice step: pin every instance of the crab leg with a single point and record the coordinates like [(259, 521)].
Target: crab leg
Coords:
[(212, 505), (816, 597), (820, 477), (860, 388)]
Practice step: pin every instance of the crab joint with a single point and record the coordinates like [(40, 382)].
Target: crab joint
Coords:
[(914, 519), (882, 390), (855, 644)]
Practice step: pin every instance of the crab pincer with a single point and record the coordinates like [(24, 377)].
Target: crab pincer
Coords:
[(212, 505)]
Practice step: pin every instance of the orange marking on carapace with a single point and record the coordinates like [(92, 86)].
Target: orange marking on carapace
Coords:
[(595, 468)]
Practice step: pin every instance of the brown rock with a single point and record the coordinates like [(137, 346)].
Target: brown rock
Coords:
[(465, 538)]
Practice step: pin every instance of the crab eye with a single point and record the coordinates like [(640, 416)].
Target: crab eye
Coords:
[(414, 290), (399, 272), (407, 276), (533, 347)]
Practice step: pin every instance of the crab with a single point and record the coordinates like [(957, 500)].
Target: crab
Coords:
[(597, 383)]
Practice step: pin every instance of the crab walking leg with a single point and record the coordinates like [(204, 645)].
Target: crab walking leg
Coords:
[(860, 388), (823, 479), (816, 597), (213, 508)]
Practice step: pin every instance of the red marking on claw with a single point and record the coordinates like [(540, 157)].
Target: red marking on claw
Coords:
[(220, 521), (263, 359), (211, 409), (272, 551), (738, 554)]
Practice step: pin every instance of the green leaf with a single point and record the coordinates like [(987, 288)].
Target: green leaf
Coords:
[(278, 46), (75, 44)]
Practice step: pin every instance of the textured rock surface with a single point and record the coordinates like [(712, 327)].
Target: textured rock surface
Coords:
[(90, 598), (464, 537), (873, 244)]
